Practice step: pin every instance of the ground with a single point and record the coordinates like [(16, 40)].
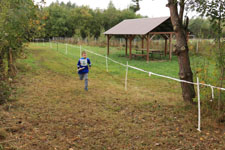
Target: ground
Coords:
[(52, 111)]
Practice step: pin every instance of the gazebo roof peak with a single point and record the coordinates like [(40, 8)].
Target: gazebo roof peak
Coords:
[(139, 26)]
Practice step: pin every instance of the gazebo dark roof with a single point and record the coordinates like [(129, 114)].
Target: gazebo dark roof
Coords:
[(141, 26)]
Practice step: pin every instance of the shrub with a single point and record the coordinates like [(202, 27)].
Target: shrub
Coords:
[(5, 91)]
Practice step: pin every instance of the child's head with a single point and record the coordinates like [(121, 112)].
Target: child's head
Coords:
[(84, 54)]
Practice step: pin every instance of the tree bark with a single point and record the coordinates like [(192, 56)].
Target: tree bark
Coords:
[(181, 51), (2, 67), (11, 67)]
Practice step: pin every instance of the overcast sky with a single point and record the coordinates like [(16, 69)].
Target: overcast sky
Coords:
[(150, 8)]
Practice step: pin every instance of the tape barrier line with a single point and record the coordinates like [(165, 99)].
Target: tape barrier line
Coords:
[(159, 75), (152, 73)]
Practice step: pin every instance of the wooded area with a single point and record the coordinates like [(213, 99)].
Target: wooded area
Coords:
[(70, 20)]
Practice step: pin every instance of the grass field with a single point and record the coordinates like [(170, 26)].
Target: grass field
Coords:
[(52, 111)]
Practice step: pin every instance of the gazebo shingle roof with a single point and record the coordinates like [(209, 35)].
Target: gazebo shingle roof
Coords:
[(140, 26)]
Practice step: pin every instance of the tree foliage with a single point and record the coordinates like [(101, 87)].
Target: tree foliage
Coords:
[(136, 6), (67, 20), (19, 23)]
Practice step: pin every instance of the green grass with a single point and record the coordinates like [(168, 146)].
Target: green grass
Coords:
[(64, 64), (135, 78), (56, 113), (163, 66)]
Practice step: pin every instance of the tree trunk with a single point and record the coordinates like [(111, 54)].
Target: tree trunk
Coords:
[(11, 67), (2, 67), (181, 51)]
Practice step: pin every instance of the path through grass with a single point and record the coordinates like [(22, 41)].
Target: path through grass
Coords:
[(53, 112)]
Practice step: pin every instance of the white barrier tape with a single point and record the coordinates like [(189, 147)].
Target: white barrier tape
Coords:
[(199, 105), (94, 53), (215, 87), (117, 62), (163, 76), (212, 93), (150, 74), (138, 69)]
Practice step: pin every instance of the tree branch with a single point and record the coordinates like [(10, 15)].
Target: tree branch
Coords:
[(172, 4), (181, 14)]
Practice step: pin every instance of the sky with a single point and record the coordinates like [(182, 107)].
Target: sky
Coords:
[(150, 8)]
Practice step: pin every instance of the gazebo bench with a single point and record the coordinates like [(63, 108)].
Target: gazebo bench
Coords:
[(151, 51)]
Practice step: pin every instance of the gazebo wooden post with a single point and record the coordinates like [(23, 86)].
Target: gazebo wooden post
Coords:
[(130, 47), (148, 46), (142, 44), (108, 38), (165, 46), (126, 46), (170, 43)]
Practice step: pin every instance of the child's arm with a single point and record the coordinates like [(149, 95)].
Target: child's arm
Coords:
[(89, 62), (78, 64)]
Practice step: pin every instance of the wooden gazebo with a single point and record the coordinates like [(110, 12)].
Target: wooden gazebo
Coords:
[(146, 29)]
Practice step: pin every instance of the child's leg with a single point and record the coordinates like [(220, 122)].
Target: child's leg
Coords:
[(86, 80), (81, 76)]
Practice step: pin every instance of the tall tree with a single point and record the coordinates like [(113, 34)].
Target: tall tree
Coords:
[(180, 29), (18, 26)]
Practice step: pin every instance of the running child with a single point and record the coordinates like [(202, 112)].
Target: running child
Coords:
[(83, 68)]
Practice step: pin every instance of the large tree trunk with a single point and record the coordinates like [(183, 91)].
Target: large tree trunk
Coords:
[(181, 50)]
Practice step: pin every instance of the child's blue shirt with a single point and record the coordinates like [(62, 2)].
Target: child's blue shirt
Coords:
[(83, 63)]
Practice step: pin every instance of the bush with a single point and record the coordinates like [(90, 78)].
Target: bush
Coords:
[(5, 91)]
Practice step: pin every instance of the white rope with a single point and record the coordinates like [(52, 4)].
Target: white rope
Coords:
[(126, 76), (199, 107), (215, 87), (117, 62), (212, 93), (138, 69), (159, 75), (94, 53)]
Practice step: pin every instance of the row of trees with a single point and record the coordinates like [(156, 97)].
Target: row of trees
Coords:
[(68, 20), (202, 28), (19, 23)]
